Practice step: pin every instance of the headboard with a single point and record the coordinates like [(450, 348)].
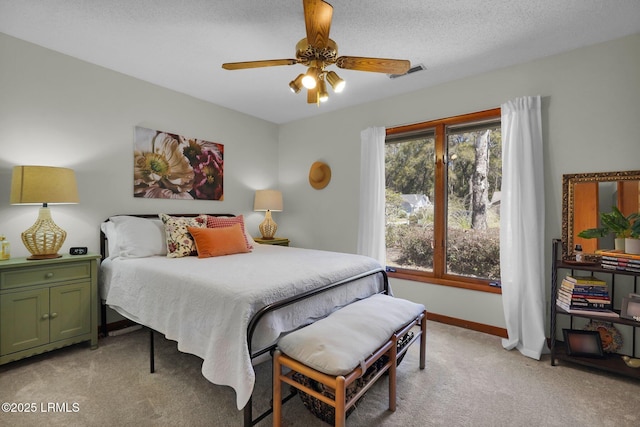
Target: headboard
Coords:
[(103, 237)]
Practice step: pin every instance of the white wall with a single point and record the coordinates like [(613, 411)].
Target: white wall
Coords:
[(59, 111), (591, 114)]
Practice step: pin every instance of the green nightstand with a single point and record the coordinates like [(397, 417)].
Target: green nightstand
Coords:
[(47, 304), (279, 241)]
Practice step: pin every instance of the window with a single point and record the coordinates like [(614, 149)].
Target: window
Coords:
[(443, 181)]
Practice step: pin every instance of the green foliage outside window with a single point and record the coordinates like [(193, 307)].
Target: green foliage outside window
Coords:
[(473, 217)]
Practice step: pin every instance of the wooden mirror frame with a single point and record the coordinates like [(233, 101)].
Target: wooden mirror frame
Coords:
[(568, 199)]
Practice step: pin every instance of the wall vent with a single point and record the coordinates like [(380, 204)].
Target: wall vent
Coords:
[(414, 69)]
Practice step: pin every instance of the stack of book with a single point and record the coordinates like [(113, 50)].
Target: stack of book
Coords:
[(586, 295), (614, 260)]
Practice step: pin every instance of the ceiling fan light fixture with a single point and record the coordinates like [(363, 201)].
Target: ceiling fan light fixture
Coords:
[(323, 95), (296, 84), (312, 96), (310, 80), (335, 81), (317, 51)]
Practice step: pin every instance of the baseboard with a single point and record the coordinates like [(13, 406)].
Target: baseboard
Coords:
[(474, 326)]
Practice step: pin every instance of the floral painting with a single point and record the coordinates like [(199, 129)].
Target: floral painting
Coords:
[(170, 166)]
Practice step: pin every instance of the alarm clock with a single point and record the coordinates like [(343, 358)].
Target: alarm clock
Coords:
[(78, 250)]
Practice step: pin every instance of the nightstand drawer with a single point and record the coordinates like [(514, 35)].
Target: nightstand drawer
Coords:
[(21, 277)]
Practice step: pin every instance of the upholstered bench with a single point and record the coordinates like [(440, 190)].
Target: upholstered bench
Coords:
[(339, 349)]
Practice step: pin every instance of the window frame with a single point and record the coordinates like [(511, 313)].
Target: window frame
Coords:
[(439, 276)]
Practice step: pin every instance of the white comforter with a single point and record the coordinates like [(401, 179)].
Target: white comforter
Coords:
[(206, 304)]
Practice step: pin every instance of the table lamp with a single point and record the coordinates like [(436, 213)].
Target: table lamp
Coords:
[(43, 184), (268, 201)]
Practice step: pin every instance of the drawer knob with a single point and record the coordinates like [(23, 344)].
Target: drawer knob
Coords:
[(54, 315), (45, 316), (48, 275)]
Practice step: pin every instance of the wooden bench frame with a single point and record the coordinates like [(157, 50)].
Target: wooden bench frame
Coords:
[(340, 383)]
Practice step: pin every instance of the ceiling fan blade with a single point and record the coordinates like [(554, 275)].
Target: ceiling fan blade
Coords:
[(376, 65), (258, 64), (317, 19)]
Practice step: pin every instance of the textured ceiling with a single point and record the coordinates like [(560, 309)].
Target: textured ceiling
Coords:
[(181, 44)]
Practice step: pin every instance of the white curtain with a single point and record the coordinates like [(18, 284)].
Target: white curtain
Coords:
[(522, 227), (371, 225)]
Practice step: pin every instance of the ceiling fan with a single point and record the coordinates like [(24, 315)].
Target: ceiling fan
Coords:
[(317, 51)]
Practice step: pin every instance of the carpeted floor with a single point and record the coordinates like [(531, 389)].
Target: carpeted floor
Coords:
[(469, 381)]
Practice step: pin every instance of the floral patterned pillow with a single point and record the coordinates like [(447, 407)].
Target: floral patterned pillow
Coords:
[(180, 243)]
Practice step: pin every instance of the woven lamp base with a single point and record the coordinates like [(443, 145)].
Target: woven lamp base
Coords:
[(44, 238), (268, 227)]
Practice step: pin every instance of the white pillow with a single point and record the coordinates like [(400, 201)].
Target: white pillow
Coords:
[(109, 230), (137, 237)]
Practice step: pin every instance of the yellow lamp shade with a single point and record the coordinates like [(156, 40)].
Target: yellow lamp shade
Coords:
[(43, 185)]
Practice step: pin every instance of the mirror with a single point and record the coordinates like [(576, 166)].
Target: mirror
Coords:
[(585, 196)]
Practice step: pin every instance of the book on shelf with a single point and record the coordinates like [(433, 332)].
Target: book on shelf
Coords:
[(603, 313), (581, 304), (572, 295), (620, 264), (586, 306), (585, 303), (617, 254), (586, 293), (578, 300), (568, 296), (616, 267), (584, 289), (585, 280), (620, 261)]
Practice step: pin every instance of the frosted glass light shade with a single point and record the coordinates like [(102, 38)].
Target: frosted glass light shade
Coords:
[(335, 81), (310, 80)]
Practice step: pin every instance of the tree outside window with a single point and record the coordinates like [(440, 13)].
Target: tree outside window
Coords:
[(443, 182)]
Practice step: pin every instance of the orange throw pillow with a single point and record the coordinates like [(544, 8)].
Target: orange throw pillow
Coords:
[(212, 242), (225, 221)]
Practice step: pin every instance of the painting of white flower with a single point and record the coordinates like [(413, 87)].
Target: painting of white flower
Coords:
[(170, 166)]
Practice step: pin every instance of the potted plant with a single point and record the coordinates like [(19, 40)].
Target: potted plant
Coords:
[(612, 222), (632, 243)]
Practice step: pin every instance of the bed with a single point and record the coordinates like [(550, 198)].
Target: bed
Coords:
[(228, 310)]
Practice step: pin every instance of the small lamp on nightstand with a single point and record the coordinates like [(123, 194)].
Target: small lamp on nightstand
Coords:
[(43, 185), (268, 201)]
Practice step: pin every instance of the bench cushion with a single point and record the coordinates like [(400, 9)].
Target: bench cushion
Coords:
[(337, 344)]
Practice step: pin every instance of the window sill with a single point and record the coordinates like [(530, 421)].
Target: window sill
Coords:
[(474, 286)]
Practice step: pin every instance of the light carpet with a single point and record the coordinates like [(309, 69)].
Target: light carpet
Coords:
[(469, 381)]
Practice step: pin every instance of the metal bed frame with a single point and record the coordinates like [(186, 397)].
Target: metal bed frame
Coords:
[(253, 322)]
